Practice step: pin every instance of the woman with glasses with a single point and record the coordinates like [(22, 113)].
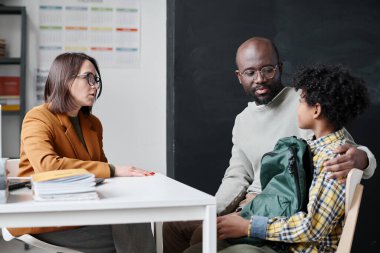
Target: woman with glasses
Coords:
[(63, 134)]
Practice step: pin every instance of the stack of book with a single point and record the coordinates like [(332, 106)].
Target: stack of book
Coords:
[(2, 48), (10, 93), (67, 185)]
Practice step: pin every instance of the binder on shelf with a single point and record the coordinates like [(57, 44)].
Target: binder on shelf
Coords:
[(10, 100), (10, 93), (9, 86), (10, 108)]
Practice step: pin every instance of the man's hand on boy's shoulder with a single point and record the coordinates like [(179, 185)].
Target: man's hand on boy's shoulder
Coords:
[(350, 157)]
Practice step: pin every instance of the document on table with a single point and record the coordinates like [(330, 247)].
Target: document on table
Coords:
[(71, 184)]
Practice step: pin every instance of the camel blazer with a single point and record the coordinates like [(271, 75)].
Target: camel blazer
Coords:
[(49, 142)]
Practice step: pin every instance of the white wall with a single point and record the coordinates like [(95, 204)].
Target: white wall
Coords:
[(132, 106)]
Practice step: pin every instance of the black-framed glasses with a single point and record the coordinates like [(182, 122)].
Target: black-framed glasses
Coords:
[(266, 72), (92, 80)]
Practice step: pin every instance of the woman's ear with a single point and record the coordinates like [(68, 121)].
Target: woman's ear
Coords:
[(317, 110)]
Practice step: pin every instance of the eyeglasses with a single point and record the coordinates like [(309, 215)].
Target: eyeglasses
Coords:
[(92, 80), (266, 72)]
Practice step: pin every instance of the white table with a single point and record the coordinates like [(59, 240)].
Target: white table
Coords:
[(123, 200)]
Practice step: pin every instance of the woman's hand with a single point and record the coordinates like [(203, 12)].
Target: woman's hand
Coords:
[(232, 226), (131, 171)]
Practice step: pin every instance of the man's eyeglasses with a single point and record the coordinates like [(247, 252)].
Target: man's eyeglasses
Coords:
[(92, 80), (266, 72)]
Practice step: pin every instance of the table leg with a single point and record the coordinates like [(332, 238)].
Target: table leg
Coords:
[(209, 230), (158, 236)]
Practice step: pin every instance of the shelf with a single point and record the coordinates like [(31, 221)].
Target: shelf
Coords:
[(10, 61), (19, 60), (5, 113), (15, 116), (11, 10)]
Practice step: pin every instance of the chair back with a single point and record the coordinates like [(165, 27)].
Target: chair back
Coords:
[(12, 166), (31, 240), (354, 192)]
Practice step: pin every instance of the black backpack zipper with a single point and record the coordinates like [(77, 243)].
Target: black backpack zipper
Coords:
[(292, 166)]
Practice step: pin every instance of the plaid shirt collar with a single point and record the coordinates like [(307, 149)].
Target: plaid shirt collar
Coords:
[(325, 140)]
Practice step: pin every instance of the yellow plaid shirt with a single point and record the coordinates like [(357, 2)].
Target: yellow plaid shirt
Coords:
[(320, 228)]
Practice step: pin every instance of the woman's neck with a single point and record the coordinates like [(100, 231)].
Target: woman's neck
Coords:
[(73, 113)]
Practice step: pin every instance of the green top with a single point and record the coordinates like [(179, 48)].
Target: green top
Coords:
[(78, 130)]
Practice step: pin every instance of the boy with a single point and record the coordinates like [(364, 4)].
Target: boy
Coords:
[(330, 98)]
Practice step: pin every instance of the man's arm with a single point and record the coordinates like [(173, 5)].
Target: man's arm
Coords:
[(238, 177), (351, 156)]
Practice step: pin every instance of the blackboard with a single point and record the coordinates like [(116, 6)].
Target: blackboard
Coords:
[(204, 95)]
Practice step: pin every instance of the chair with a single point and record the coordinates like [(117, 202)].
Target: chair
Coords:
[(354, 192), (35, 242), (12, 166)]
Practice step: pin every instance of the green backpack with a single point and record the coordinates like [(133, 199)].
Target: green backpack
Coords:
[(286, 174)]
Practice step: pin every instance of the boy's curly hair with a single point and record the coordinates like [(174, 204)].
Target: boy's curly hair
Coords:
[(341, 95)]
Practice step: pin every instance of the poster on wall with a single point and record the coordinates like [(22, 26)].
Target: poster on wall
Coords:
[(108, 30)]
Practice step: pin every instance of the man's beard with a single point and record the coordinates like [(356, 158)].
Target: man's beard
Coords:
[(273, 90)]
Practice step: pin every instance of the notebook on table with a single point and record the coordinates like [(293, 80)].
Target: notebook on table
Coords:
[(63, 185)]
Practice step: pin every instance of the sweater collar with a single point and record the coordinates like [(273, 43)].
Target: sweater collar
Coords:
[(274, 102)]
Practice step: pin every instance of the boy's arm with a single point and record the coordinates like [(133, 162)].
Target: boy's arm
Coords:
[(325, 210)]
